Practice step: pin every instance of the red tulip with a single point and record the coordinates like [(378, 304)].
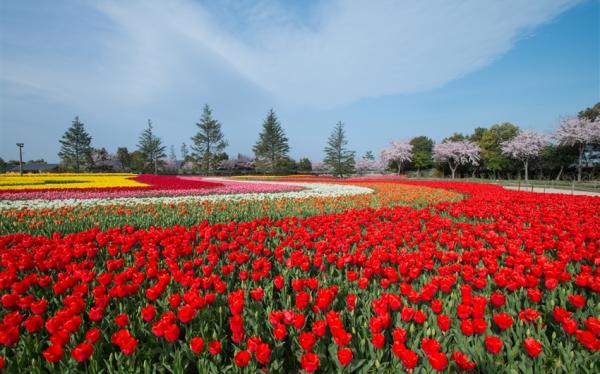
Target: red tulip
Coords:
[(462, 360), (344, 356), (121, 320), (493, 344), (53, 353), (577, 301), (307, 341), (503, 320), (309, 362), (438, 360), (214, 347), (82, 352), (263, 353), (197, 344), (242, 358), (532, 346)]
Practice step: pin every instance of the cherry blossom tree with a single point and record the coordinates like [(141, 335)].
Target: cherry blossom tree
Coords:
[(456, 153), (526, 145), (319, 167), (365, 166), (398, 152), (578, 132)]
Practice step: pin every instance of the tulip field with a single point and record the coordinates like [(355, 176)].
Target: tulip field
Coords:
[(104, 273)]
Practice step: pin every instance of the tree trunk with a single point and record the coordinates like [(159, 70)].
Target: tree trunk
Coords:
[(526, 162), (562, 167), (452, 169), (581, 149)]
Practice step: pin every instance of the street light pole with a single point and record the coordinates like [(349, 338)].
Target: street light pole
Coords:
[(20, 145)]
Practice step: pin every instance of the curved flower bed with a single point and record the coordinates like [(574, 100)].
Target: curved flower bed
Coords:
[(18, 182), (500, 279), (147, 185), (188, 212), (230, 191), (183, 186)]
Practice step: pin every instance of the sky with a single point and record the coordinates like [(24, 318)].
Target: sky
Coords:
[(389, 70)]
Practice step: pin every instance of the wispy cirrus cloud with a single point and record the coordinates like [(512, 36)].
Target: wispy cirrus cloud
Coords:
[(314, 55)]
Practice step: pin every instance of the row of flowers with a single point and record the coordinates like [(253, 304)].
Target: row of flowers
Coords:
[(15, 182), (228, 190), (499, 279), (74, 218), (125, 185)]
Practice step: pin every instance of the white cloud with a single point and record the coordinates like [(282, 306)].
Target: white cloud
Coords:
[(332, 55)]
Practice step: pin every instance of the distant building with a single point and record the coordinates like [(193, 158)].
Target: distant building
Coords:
[(33, 168)]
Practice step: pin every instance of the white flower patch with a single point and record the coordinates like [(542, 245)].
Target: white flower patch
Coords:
[(310, 190)]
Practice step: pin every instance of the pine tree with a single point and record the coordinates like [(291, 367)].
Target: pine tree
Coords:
[(151, 147), (76, 148), (208, 141), (184, 152), (272, 145), (124, 158), (340, 159)]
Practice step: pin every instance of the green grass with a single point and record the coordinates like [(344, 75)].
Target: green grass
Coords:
[(589, 186)]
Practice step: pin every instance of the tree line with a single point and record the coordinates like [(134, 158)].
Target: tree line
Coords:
[(499, 151)]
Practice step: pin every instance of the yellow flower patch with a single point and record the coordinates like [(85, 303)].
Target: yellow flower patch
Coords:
[(60, 181)]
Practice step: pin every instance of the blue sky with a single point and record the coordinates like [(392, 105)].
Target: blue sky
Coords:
[(388, 70)]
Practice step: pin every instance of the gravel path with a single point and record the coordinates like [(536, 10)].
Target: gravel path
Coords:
[(553, 190)]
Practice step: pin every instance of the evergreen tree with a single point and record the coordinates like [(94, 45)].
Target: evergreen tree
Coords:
[(76, 149), (185, 153), (340, 159), (172, 154), (272, 145), (137, 161), (124, 158), (208, 141), (304, 165), (422, 153), (151, 147), (3, 165), (491, 141), (369, 156)]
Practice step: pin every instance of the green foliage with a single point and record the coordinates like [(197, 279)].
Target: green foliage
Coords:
[(422, 150), (151, 149), (304, 165), (369, 156), (590, 113), (185, 153), (422, 160), (137, 162), (208, 142), (76, 149), (490, 143), (3, 165), (124, 158), (422, 144), (455, 137), (556, 158), (337, 156), (286, 165), (272, 145), (477, 134)]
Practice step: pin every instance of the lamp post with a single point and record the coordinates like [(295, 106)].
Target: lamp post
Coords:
[(20, 145)]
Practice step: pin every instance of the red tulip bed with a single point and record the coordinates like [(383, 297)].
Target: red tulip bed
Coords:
[(500, 281), (154, 185)]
